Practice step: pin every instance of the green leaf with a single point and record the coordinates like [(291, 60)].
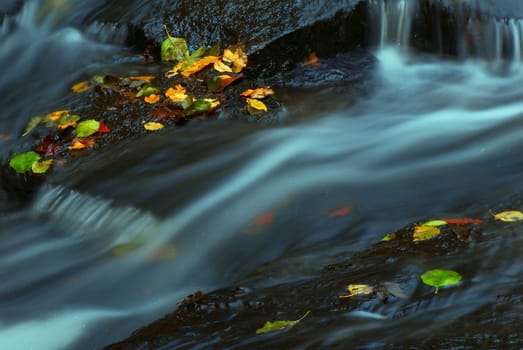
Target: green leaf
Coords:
[(23, 162), (435, 223), (440, 278), (41, 167), (174, 49), (198, 106), (213, 83), (389, 237), (147, 90), (87, 128), (33, 123), (277, 325), (214, 50)]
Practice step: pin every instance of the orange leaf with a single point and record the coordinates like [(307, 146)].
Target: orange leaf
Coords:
[(80, 87), (312, 60), (199, 65), (258, 93), (226, 80), (146, 78), (221, 67), (77, 145), (238, 58), (462, 221), (343, 211), (152, 98), (56, 114), (263, 219), (176, 94)]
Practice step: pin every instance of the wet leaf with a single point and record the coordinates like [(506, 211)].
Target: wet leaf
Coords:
[(394, 289), (199, 65), (24, 161), (258, 93), (277, 325), (80, 87), (389, 237), (41, 167), (312, 60), (56, 114), (152, 98), (214, 103), (88, 142), (76, 146), (153, 126), (237, 57), (103, 128), (357, 289), (147, 90), (198, 106), (87, 128), (221, 67), (146, 78), (67, 120), (263, 219), (435, 223), (422, 233), (440, 278), (214, 50), (462, 221), (33, 123), (255, 106), (508, 216), (176, 94), (174, 49), (343, 211)]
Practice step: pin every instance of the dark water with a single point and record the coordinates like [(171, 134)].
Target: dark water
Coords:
[(434, 137)]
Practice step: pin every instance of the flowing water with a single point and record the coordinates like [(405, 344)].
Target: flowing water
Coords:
[(433, 137)]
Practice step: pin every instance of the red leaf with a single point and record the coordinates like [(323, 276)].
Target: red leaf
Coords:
[(226, 82), (47, 147), (462, 221), (263, 219), (163, 113), (89, 142), (103, 128), (341, 211)]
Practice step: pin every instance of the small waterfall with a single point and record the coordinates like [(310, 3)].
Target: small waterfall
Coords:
[(391, 21)]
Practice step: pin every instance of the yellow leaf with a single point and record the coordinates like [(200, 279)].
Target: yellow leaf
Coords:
[(280, 324), (213, 101), (257, 104), (146, 78), (63, 126), (80, 87), (508, 216), (258, 93), (153, 126), (77, 145), (152, 98), (199, 65), (221, 67), (358, 289), (176, 94), (56, 114), (422, 233), (238, 58)]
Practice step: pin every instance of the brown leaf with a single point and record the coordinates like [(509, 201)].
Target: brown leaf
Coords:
[(312, 60), (343, 211)]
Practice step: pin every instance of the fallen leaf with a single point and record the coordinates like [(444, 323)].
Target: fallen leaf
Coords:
[(389, 237), (174, 49), (435, 223), (508, 216), (88, 142), (56, 114), (152, 98), (394, 289), (103, 128), (176, 94), (422, 233), (440, 278), (357, 289), (341, 211), (214, 103), (258, 93), (80, 87), (255, 106), (41, 167), (312, 60), (462, 221), (76, 146), (153, 126), (199, 65), (67, 120), (33, 123), (87, 128), (221, 67), (196, 107), (277, 325), (24, 161), (146, 78), (263, 219), (147, 90), (47, 147), (237, 57)]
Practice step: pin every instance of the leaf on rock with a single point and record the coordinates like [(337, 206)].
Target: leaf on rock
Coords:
[(76, 146), (422, 233), (277, 325), (358, 289), (221, 67), (343, 211), (103, 128), (33, 123), (237, 57), (440, 278), (24, 161), (152, 98), (80, 87), (87, 128), (394, 289), (56, 114), (67, 120), (176, 94), (258, 93), (255, 106), (153, 126), (389, 237), (41, 167), (214, 103), (147, 90), (508, 216), (312, 60), (146, 78), (174, 49), (462, 221), (435, 223), (199, 65), (198, 106)]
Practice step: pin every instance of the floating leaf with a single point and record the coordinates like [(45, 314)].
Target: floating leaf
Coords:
[(508, 216), (422, 233), (263, 219), (33, 123), (462, 221), (198, 106), (435, 223), (76, 146), (258, 93), (176, 94), (358, 289), (41, 167), (87, 128), (237, 57), (440, 278), (153, 126), (312, 60), (221, 67), (389, 237), (343, 211), (277, 325), (199, 65), (24, 161), (174, 49), (80, 87), (152, 98), (255, 106)]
